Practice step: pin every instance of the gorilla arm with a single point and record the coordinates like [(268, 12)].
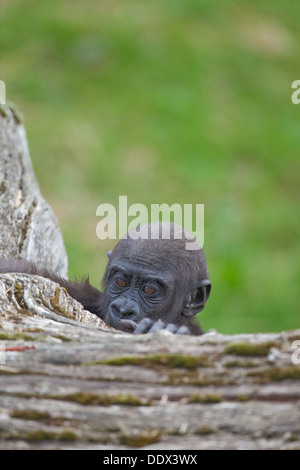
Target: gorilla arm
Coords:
[(83, 292)]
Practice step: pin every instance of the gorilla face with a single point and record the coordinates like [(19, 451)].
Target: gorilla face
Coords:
[(133, 293)]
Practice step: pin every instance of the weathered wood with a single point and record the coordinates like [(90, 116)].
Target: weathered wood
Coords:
[(29, 229), (70, 382)]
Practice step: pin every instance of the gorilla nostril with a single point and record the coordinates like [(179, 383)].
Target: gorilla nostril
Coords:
[(122, 311), (122, 308), (127, 313)]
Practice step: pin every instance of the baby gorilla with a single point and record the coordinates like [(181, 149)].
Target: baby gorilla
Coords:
[(151, 282), (154, 282)]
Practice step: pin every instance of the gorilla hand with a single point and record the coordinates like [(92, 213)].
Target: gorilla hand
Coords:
[(148, 326)]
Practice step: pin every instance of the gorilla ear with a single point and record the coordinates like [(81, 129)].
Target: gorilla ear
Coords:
[(109, 253), (196, 300)]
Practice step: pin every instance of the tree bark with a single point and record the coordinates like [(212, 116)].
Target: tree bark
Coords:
[(67, 382), (29, 229)]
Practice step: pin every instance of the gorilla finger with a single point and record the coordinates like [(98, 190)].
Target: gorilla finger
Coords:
[(183, 330), (129, 325), (143, 327), (159, 325), (171, 328)]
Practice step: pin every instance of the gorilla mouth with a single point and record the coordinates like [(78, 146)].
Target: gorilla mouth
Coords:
[(126, 322)]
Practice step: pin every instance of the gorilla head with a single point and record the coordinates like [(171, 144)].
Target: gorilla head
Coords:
[(151, 275)]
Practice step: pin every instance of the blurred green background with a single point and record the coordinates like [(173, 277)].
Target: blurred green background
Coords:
[(185, 101)]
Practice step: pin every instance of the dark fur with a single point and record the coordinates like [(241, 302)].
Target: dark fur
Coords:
[(87, 295)]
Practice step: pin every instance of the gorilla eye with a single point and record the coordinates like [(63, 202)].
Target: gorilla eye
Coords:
[(149, 290), (121, 282)]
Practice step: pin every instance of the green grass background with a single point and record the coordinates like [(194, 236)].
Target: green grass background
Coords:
[(185, 101)]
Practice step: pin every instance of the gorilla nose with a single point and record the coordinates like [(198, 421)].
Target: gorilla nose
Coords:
[(124, 310), (127, 312)]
